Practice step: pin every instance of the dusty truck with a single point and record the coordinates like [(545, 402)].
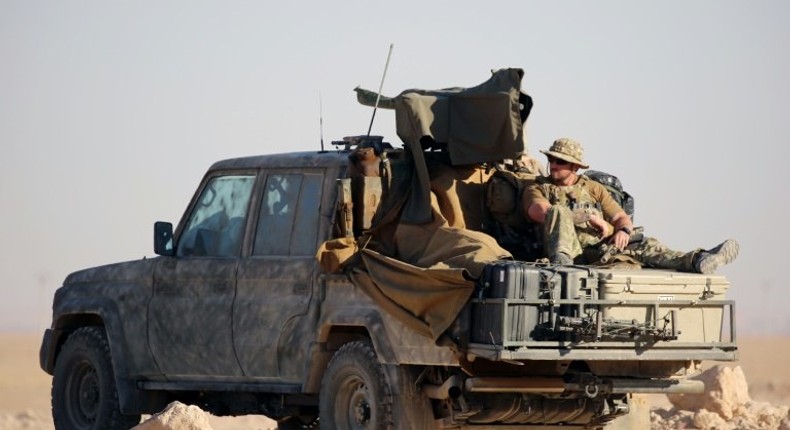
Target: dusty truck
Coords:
[(333, 289)]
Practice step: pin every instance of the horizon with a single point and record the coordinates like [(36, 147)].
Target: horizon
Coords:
[(111, 113)]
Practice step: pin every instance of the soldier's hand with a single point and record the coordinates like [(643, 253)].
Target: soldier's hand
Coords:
[(621, 239), (599, 224)]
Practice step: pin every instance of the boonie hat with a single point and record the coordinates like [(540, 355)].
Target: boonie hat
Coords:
[(568, 150)]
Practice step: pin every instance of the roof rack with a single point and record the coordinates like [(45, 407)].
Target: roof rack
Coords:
[(363, 141)]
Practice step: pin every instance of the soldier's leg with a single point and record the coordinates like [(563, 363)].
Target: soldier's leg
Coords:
[(652, 253), (559, 233)]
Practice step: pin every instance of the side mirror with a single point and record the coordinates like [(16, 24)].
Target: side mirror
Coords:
[(163, 239)]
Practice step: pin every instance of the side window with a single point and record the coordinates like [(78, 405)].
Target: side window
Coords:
[(216, 225), (289, 215)]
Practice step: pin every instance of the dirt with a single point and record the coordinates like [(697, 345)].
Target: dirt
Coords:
[(725, 405), (25, 392)]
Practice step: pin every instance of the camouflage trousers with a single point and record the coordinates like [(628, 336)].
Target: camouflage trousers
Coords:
[(580, 242)]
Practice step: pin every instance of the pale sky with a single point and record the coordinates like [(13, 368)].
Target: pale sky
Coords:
[(110, 113)]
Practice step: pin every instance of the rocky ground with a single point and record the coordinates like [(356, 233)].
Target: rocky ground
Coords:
[(751, 394), (725, 405)]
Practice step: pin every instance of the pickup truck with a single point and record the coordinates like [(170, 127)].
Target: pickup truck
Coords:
[(241, 313)]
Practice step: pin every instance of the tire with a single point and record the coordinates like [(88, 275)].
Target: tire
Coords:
[(296, 423), (84, 395), (354, 391), (357, 393)]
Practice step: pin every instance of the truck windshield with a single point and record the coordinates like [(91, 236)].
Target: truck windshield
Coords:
[(216, 225)]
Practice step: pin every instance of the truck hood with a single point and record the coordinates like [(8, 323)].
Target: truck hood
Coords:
[(125, 272)]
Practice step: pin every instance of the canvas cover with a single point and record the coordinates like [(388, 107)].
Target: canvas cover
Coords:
[(480, 124), (423, 274), (432, 276), (421, 257)]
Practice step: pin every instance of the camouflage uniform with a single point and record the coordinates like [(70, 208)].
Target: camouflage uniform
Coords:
[(566, 228)]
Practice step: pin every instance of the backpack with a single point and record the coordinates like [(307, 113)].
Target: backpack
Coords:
[(615, 188), (508, 224)]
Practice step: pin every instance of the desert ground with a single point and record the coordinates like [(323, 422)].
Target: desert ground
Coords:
[(24, 387)]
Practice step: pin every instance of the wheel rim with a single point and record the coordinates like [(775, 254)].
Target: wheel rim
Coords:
[(83, 395), (354, 405)]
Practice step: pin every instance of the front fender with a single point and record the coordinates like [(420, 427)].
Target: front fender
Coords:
[(74, 312)]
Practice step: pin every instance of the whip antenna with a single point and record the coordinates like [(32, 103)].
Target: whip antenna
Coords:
[(321, 120), (378, 95)]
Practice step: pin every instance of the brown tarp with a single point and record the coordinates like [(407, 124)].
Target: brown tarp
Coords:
[(437, 245), (415, 264), (425, 300), (460, 193), (430, 280)]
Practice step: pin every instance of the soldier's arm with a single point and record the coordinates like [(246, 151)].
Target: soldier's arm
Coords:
[(612, 212), (534, 205), (623, 228), (601, 225)]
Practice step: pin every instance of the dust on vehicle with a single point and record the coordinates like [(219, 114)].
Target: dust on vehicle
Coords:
[(373, 287)]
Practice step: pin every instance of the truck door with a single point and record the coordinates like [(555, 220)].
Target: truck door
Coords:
[(272, 328), (190, 329)]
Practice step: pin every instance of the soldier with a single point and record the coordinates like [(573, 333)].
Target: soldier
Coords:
[(581, 220)]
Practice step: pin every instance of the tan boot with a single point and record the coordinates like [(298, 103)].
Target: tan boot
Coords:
[(708, 261)]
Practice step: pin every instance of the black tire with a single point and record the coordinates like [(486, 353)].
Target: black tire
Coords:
[(84, 395), (297, 423), (358, 392), (355, 394)]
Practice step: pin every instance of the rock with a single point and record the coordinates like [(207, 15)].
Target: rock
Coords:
[(177, 416), (763, 415), (671, 420), (725, 405), (707, 420), (725, 391)]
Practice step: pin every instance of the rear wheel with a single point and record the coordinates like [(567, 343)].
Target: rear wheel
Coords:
[(357, 393), (84, 395), (354, 391)]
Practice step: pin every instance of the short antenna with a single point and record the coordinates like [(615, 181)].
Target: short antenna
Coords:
[(321, 119), (378, 95)]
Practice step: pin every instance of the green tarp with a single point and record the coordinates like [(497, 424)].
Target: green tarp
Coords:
[(479, 124)]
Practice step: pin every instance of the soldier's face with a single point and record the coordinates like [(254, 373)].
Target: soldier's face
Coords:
[(562, 171)]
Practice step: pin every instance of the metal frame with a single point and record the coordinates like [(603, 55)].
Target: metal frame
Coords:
[(509, 349)]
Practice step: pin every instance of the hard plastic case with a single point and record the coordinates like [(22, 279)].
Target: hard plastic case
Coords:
[(502, 313), (688, 294)]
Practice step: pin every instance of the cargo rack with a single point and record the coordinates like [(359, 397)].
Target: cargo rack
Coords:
[(587, 334)]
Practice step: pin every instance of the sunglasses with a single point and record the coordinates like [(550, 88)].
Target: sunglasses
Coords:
[(558, 161)]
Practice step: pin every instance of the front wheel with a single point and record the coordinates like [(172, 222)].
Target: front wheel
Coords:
[(84, 395), (359, 393)]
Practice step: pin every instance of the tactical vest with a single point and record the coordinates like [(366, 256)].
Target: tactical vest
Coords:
[(577, 198)]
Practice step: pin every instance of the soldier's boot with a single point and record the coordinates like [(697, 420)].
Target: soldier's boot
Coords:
[(562, 258), (708, 261)]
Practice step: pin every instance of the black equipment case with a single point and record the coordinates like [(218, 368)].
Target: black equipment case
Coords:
[(514, 305)]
